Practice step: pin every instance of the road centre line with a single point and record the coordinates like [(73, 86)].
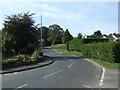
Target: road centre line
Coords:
[(70, 65), (87, 86), (22, 86), (53, 73), (103, 74)]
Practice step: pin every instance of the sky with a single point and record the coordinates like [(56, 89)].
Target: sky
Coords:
[(77, 17)]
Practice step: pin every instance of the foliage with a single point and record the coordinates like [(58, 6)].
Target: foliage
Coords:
[(66, 36), (79, 36), (28, 50), (76, 44), (97, 34), (20, 60), (45, 35), (55, 34), (7, 46), (59, 46), (106, 51), (21, 28), (37, 54)]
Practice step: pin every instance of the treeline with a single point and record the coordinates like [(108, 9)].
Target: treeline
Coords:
[(54, 34)]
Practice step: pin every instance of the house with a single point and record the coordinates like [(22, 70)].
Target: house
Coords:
[(108, 37), (112, 37), (116, 37)]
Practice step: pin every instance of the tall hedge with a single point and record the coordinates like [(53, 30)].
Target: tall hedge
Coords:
[(76, 44), (103, 50), (107, 51)]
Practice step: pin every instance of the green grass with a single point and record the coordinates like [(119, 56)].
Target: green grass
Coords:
[(61, 48), (58, 46)]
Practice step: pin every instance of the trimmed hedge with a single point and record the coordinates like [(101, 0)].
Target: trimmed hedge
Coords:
[(76, 43), (105, 51), (109, 51)]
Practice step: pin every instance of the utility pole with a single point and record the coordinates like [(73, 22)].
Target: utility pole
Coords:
[(41, 26), (41, 33)]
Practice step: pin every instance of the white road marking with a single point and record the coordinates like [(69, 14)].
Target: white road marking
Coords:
[(70, 65), (6, 74), (16, 73), (12, 73), (103, 73), (53, 73), (87, 86), (22, 86)]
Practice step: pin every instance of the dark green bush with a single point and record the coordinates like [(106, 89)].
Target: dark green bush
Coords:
[(28, 50)]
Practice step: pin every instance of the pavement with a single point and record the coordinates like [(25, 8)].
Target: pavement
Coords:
[(66, 72), (28, 67)]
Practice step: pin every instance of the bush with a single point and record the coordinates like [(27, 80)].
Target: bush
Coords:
[(7, 46), (107, 51), (28, 50), (37, 54), (76, 44), (96, 48)]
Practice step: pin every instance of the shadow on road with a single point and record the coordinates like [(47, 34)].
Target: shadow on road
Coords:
[(65, 58)]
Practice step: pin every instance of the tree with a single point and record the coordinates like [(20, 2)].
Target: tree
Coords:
[(79, 36), (55, 34), (66, 36), (7, 46), (97, 33), (21, 28), (45, 35)]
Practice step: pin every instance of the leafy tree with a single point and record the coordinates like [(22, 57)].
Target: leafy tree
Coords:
[(45, 35), (7, 46), (79, 36), (55, 34), (21, 28), (97, 33), (66, 36)]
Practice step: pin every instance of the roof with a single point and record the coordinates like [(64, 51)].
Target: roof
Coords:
[(116, 35)]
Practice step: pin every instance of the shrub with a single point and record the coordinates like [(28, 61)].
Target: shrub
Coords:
[(107, 51), (37, 54), (98, 49), (7, 46), (76, 44), (28, 50)]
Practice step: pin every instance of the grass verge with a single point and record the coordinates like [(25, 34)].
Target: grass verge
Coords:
[(63, 50)]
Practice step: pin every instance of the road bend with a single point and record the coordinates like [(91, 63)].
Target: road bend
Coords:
[(66, 72)]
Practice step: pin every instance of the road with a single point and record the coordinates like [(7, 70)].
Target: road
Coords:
[(66, 72)]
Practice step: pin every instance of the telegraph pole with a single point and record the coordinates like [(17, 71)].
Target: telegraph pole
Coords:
[(41, 33), (41, 26)]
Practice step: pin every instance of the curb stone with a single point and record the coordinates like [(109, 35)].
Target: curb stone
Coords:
[(24, 68)]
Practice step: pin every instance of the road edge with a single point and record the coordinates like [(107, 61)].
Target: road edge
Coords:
[(47, 62)]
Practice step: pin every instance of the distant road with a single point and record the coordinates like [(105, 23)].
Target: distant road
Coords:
[(66, 72)]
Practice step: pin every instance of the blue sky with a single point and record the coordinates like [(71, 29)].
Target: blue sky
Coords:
[(78, 17)]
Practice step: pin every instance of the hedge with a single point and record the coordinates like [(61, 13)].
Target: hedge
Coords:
[(76, 43), (105, 51)]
